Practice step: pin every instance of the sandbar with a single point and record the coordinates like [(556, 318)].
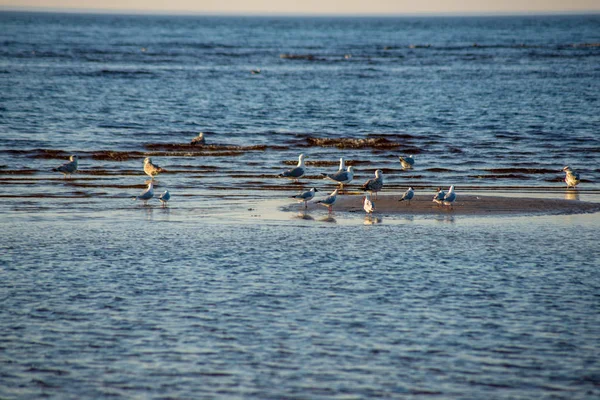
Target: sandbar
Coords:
[(476, 205)]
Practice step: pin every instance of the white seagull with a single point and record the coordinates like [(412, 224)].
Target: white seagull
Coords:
[(69, 167), (151, 169), (198, 139), (341, 177), (342, 164), (296, 172), (407, 162), (572, 177), (374, 184), (306, 196), (408, 195), (164, 198), (146, 194), (450, 197), (439, 197), (329, 201), (368, 205)]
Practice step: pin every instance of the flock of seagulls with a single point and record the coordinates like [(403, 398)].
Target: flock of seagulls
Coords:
[(342, 176)]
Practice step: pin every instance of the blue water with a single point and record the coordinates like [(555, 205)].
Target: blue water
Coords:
[(226, 293)]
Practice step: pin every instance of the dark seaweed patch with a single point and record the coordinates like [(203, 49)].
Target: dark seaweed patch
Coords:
[(18, 172), (116, 155), (200, 148), (350, 143)]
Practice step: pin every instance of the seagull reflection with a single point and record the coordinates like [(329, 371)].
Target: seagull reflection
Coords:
[(328, 218), (304, 215), (371, 220), (572, 195), (446, 219)]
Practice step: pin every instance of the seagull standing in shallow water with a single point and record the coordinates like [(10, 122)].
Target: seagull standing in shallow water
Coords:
[(572, 177), (439, 197), (306, 196), (151, 169), (297, 172), (164, 198), (198, 139), (69, 167), (341, 177), (408, 195), (450, 197), (146, 194), (368, 205), (329, 201), (374, 184), (407, 162)]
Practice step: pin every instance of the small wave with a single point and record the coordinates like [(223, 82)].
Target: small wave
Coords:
[(501, 176), (521, 171), (350, 143), (309, 57), (212, 147)]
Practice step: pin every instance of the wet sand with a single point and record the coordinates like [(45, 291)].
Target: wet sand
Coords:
[(475, 205)]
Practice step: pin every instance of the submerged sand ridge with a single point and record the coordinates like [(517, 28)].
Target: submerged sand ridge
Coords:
[(465, 205)]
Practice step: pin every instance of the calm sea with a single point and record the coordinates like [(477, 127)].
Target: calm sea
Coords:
[(224, 294)]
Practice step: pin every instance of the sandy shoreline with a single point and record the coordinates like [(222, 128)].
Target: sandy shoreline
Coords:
[(465, 205)]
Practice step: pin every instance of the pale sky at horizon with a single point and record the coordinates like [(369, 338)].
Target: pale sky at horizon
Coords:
[(359, 7)]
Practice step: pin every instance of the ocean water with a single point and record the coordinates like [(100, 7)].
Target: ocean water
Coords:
[(226, 293)]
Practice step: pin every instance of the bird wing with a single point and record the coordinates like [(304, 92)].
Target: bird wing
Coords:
[(294, 172)]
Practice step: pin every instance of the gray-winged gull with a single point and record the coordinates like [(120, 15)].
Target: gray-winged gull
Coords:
[(306, 196), (165, 197), (341, 177), (408, 195), (439, 197), (450, 197), (329, 201), (146, 194), (296, 172), (69, 167)]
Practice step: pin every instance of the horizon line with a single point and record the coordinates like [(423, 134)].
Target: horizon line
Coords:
[(134, 12)]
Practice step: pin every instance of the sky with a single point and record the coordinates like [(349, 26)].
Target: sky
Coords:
[(303, 7)]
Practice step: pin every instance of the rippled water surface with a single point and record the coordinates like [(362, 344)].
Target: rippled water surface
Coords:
[(226, 293)]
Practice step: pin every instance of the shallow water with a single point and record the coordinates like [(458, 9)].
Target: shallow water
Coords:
[(141, 304), (231, 293)]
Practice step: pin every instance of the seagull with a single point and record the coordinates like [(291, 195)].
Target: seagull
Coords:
[(306, 196), (297, 172), (407, 162), (342, 164), (198, 140), (374, 184), (341, 177), (408, 195), (165, 197), (368, 204), (439, 197), (146, 194), (449, 197), (255, 71), (151, 169), (329, 201), (572, 177), (69, 167)]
